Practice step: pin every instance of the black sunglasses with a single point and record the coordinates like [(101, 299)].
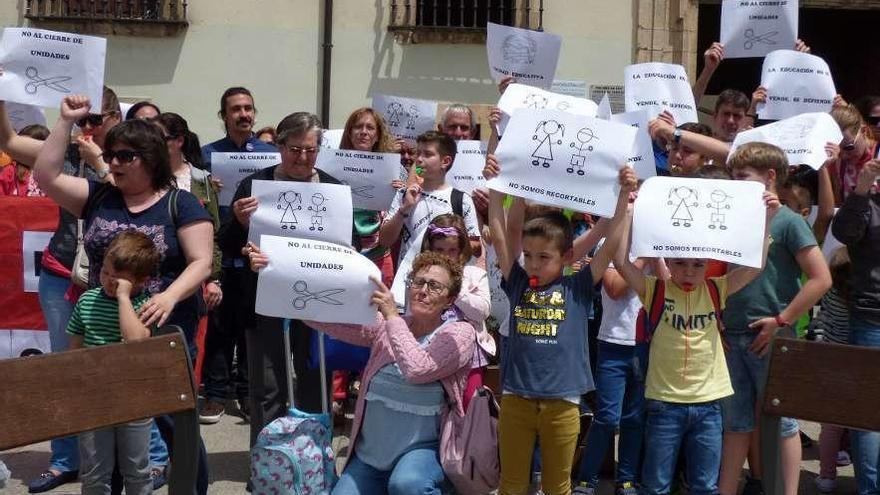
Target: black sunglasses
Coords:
[(122, 156), (92, 119)]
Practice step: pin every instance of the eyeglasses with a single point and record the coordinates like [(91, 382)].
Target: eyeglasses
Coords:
[(122, 156), (435, 288), (850, 145), (93, 119), (297, 150)]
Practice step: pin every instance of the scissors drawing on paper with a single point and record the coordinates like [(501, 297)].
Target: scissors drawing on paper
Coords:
[(751, 38), (305, 295), (49, 82)]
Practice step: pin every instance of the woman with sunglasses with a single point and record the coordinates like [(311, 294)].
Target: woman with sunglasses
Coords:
[(857, 148)]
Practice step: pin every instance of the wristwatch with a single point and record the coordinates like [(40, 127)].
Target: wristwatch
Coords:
[(103, 173), (676, 136)]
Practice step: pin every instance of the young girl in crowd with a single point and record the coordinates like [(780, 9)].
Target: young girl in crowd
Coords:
[(16, 178)]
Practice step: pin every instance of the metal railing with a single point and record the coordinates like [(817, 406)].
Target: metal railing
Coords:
[(464, 15), (159, 11)]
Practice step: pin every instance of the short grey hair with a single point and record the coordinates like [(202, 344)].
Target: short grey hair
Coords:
[(459, 108), (298, 124)]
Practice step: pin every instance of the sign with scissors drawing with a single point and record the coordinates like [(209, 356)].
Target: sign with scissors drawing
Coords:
[(368, 174), (754, 29), (314, 280), (796, 83), (42, 67), (21, 116)]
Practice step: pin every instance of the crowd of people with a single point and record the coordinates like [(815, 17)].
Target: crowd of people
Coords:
[(669, 352)]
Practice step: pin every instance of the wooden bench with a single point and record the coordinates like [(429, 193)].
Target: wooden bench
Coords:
[(56, 395), (821, 382)]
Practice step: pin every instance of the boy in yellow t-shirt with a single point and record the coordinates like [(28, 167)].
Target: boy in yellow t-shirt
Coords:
[(687, 372)]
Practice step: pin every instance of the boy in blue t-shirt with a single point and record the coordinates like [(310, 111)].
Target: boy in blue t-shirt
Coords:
[(546, 362), (108, 315)]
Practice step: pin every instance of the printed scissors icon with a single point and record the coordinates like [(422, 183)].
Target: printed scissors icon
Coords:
[(305, 295), (752, 38), (49, 82)]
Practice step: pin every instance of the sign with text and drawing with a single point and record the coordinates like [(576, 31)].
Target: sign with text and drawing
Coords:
[(466, 173), (802, 138), (529, 56), (314, 280), (565, 160), (41, 67), (642, 157), (796, 83), (21, 116), (407, 118), (700, 218), (231, 168), (308, 210), (655, 87), (521, 96), (368, 174), (754, 29)]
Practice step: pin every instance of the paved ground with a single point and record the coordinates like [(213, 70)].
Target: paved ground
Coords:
[(228, 458)]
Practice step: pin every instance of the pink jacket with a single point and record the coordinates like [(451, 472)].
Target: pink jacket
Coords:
[(447, 358)]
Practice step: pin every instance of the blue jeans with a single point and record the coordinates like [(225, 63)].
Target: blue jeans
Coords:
[(694, 427), (865, 444), (620, 400), (56, 311), (418, 472), (158, 448)]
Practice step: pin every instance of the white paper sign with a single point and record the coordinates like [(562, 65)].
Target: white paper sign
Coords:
[(575, 88), (466, 173), (42, 67), (796, 83), (563, 160), (700, 218), (642, 157), (802, 138), (407, 117), (368, 174), (231, 168), (21, 116), (604, 111), (32, 246), (529, 56), (314, 280), (655, 87), (307, 210), (754, 29), (518, 96), (331, 138)]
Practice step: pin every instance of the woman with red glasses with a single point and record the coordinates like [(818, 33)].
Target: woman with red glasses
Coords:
[(857, 148)]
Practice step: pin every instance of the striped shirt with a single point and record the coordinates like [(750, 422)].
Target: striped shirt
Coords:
[(832, 322), (96, 317)]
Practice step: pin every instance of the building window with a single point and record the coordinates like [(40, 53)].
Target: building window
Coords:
[(464, 15), (141, 11)]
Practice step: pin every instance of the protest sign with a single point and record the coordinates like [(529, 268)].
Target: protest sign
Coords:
[(642, 156), (655, 87), (21, 116), (231, 168), (466, 172), (42, 67), (315, 280), (308, 210), (802, 138), (796, 83), (575, 88), (604, 111), (700, 218), (406, 117), (563, 160), (331, 138), (529, 56), (368, 174), (518, 96), (754, 29)]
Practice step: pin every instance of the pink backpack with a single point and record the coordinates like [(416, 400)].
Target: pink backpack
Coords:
[(469, 447)]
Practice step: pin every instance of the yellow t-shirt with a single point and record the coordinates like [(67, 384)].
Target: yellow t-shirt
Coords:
[(686, 363)]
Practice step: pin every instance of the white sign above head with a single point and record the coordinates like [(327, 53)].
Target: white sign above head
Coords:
[(604, 111), (796, 83), (466, 173), (368, 174), (231, 168), (642, 157), (700, 218), (41, 67), (754, 29), (564, 160), (308, 210), (802, 138), (521, 96), (529, 56), (331, 138), (656, 86), (21, 116), (314, 280), (407, 118)]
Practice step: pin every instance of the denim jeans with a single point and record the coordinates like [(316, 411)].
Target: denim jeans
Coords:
[(865, 444), (158, 449), (620, 400), (56, 311), (418, 472), (696, 428)]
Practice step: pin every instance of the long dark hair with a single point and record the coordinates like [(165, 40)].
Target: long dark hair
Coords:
[(145, 138), (176, 127)]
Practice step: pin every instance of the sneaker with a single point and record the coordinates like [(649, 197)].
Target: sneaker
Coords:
[(50, 481), (626, 488), (584, 489), (244, 408), (825, 485), (753, 486), (843, 458), (157, 474), (211, 412)]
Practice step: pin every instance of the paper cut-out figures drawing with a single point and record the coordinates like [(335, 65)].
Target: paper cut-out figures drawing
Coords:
[(317, 206), (519, 49), (546, 135), (581, 148), (411, 117), (682, 199), (536, 101), (718, 202), (304, 295), (395, 112), (288, 202)]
